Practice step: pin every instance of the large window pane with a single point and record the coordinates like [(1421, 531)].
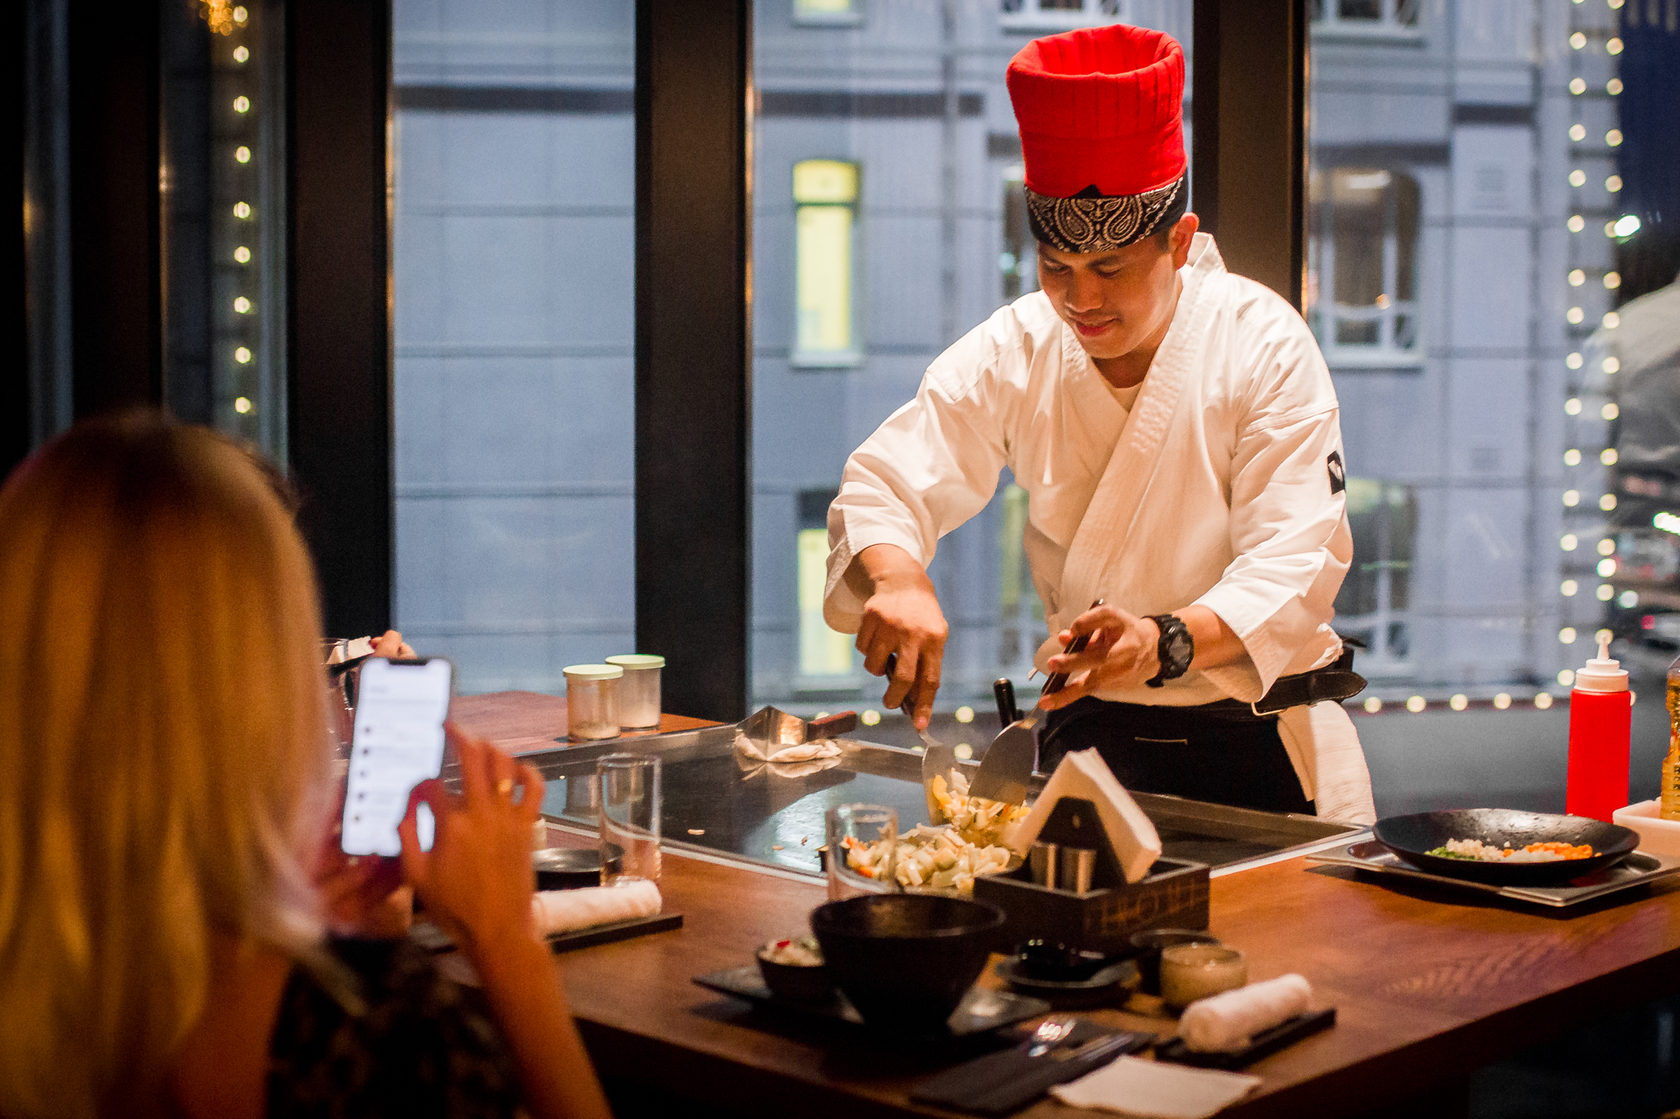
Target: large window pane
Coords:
[(887, 221), (1476, 220), (513, 244)]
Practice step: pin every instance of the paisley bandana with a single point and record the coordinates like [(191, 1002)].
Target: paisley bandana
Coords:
[(1091, 223)]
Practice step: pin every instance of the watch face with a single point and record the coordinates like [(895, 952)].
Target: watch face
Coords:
[(1178, 647)]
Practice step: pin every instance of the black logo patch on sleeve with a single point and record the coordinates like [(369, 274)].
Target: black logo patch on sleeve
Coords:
[(1338, 475)]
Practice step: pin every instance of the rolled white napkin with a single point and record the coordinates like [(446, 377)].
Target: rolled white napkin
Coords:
[(1227, 1020), (803, 752), (559, 911), (1156, 1089)]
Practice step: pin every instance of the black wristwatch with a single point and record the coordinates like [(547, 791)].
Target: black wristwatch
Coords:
[(1174, 650)]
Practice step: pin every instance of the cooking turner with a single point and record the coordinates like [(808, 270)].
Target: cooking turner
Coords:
[(938, 760), (1006, 771)]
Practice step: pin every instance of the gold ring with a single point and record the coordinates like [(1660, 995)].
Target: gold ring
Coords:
[(504, 786)]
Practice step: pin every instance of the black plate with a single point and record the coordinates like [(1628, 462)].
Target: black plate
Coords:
[(564, 868), (980, 1011), (1109, 984), (1412, 837)]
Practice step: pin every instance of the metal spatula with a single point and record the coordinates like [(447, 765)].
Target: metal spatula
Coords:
[(1006, 771), (938, 760)]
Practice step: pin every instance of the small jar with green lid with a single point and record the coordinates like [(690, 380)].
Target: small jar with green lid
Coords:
[(592, 700), (638, 691)]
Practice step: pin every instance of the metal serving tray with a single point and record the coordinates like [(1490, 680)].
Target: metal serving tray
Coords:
[(726, 804), (1639, 869)]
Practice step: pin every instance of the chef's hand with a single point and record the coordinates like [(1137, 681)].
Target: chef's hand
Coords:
[(476, 881), (901, 616), (1123, 650), (1121, 654)]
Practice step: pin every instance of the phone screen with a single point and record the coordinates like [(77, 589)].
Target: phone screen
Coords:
[(396, 744)]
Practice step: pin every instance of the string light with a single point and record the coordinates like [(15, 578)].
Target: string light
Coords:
[(242, 104), (242, 255), (1459, 702), (1568, 588), (1416, 703), (1373, 704), (242, 210), (870, 717), (242, 154), (242, 305), (1543, 700), (1613, 184), (242, 355), (1572, 457), (1577, 223), (1572, 406), (241, 55), (1502, 701), (243, 405)]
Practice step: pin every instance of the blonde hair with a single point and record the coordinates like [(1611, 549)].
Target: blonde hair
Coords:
[(164, 769)]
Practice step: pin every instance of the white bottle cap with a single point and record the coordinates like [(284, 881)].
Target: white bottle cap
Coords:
[(1603, 673)]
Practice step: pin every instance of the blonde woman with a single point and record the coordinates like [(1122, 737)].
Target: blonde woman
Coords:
[(166, 803)]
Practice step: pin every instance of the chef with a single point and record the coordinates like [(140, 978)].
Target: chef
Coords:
[(1176, 431)]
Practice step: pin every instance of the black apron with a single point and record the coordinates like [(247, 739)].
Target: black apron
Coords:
[(1219, 752)]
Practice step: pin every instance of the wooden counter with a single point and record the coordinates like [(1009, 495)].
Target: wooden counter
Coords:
[(1428, 986)]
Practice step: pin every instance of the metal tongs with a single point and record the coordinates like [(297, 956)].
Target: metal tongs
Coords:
[(775, 727), (1006, 771)]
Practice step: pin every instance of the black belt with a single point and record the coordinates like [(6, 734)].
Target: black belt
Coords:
[(1334, 682)]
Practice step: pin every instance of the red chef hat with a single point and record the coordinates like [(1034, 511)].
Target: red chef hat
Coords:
[(1101, 115)]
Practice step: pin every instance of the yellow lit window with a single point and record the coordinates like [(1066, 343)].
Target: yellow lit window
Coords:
[(825, 193), (822, 651)]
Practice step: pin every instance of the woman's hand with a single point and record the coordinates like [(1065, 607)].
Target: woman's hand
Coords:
[(476, 881), (363, 895), (391, 644)]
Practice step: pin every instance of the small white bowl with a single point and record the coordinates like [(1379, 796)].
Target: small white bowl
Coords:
[(1657, 836)]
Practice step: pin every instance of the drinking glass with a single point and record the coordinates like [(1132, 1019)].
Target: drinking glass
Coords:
[(629, 817), (862, 846)]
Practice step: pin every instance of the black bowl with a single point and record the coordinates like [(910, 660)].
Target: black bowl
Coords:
[(1055, 962), (1149, 942), (906, 960), (1413, 837), (796, 982)]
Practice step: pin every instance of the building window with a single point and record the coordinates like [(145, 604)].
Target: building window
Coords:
[(1372, 603), (823, 653), (1018, 262), (1058, 15), (1366, 19), (1362, 272), (833, 13), (825, 195)]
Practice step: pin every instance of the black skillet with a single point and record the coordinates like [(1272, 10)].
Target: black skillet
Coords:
[(1413, 837)]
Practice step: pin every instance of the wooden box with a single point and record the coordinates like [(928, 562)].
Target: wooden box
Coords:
[(1174, 894)]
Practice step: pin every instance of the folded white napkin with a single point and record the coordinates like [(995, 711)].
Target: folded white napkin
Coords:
[(1227, 1020), (1084, 774), (1134, 1086), (559, 911), (768, 752)]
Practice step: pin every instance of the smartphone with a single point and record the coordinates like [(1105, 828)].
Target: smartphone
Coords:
[(397, 742)]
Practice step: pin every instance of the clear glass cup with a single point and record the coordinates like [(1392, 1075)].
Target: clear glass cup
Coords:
[(630, 806), (862, 848)]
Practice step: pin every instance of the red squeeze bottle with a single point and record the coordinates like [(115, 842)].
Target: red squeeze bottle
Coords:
[(1600, 719)]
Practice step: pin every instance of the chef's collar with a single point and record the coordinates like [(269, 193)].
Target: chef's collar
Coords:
[(1100, 112)]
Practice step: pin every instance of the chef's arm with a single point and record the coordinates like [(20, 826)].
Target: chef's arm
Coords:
[(901, 616), (1123, 651)]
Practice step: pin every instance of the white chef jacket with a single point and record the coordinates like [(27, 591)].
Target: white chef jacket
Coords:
[(1222, 486)]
